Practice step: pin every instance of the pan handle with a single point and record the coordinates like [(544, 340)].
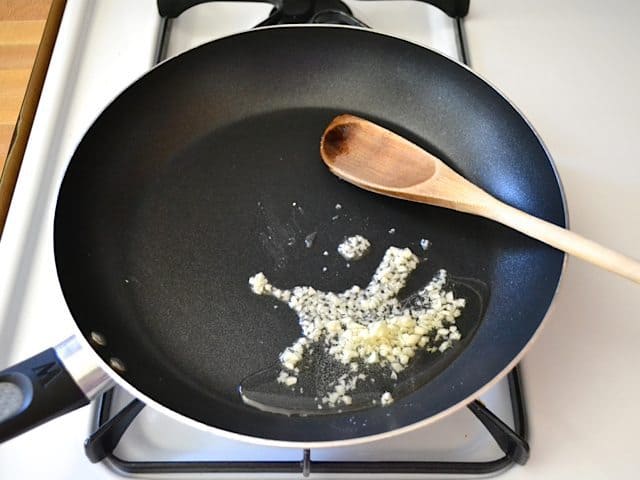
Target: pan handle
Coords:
[(47, 385)]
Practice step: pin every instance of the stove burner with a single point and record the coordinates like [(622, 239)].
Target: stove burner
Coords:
[(337, 17), (311, 11), (298, 9), (333, 12)]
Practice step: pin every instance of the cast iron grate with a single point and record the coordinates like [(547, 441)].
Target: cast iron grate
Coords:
[(299, 11), (102, 443)]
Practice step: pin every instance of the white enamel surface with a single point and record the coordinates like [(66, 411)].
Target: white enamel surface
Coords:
[(572, 67), (572, 71)]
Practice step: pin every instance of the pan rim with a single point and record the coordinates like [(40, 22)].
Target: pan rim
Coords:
[(156, 405)]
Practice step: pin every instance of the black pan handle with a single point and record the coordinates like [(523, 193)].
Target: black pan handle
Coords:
[(47, 385)]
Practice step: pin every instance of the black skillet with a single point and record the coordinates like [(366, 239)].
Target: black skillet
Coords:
[(185, 186)]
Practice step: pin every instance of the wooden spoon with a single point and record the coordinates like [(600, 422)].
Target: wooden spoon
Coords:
[(379, 160)]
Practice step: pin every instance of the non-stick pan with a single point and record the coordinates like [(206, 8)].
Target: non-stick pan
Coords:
[(207, 170)]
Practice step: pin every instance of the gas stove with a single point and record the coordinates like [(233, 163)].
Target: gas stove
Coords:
[(101, 48)]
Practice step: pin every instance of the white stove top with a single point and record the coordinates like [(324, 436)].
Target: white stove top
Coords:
[(582, 362)]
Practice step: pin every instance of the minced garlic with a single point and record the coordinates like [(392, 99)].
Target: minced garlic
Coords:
[(368, 326), (354, 248), (386, 399)]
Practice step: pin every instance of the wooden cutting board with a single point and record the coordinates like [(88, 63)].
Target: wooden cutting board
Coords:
[(21, 26), (28, 29)]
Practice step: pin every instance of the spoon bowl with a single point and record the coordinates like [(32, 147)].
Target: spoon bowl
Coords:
[(376, 159)]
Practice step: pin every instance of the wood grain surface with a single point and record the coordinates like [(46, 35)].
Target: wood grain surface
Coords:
[(28, 32), (21, 25)]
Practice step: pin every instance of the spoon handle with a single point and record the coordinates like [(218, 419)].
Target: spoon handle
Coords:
[(564, 240)]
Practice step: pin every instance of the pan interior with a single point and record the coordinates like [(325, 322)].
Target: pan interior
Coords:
[(198, 177), (243, 200)]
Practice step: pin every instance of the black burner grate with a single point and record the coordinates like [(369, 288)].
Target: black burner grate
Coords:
[(333, 12), (513, 443)]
